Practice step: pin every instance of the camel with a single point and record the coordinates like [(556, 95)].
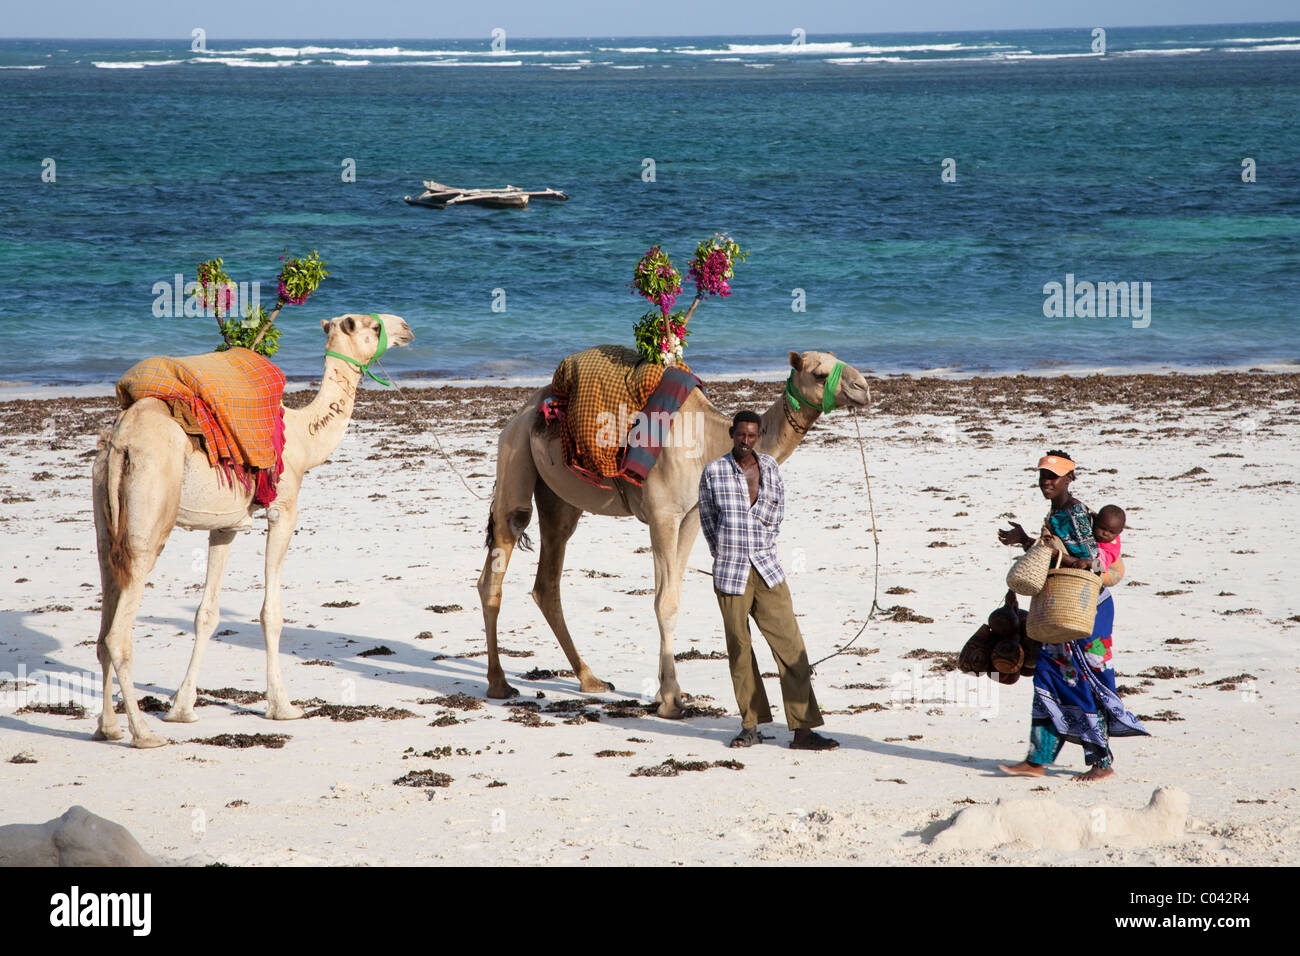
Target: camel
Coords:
[(148, 478), (531, 468)]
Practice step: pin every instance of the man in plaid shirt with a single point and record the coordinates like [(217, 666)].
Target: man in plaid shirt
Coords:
[(742, 502)]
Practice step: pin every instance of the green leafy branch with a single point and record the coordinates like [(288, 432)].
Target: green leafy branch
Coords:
[(299, 278)]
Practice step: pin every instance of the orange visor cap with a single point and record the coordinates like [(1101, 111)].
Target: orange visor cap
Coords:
[(1056, 465)]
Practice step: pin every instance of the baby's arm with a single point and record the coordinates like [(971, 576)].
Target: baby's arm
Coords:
[(1111, 562)]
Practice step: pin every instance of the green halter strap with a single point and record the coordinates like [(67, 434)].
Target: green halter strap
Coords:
[(828, 392), (383, 347)]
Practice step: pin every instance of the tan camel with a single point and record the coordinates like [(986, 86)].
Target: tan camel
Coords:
[(148, 478), (531, 468)]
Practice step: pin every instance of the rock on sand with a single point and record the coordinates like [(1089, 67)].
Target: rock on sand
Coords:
[(78, 838)]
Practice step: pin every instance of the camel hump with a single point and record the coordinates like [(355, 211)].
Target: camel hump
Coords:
[(599, 361)]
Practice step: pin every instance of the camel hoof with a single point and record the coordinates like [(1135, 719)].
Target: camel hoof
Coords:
[(148, 741), (594, 685), (283, 712), (102, 734), (178, 716), (669, 711), (501, 692)]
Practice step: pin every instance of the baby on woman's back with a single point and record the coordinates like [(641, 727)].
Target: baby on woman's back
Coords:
[(1107, 525)]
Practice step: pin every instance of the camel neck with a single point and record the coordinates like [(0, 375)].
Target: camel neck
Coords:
[(780, 437), (325, 420)]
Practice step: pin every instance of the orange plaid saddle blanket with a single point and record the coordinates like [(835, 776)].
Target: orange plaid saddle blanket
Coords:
[(230, 401), (597, 397)]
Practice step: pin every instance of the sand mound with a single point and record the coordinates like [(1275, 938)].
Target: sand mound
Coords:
[(811, 835), (78, 838), (1045, 824)]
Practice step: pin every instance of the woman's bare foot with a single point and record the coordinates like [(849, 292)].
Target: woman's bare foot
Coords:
[(1094, 773), (1022, 769)]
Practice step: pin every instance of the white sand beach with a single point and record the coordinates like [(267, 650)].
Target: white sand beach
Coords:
[(389, 546)]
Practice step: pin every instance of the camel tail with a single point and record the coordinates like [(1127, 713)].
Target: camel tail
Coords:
[(120, 556), (517, 523)]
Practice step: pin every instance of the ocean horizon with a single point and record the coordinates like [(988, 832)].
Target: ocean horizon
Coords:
[(933, 202)]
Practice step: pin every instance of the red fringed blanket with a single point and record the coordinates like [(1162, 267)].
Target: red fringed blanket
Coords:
[(231, 400)]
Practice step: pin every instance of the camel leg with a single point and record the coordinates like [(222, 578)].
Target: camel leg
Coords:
[(108, 727), (151, 491), (558, 519), (110, 600), (489, 592), (670, 563), (282, 516), (511, 509), (687, 531), (115, 648), (205, 622)]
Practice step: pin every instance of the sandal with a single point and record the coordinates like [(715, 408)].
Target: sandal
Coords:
[(747, 737), (813, 741)]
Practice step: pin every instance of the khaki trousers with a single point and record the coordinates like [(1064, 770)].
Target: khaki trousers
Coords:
[(773, 612)]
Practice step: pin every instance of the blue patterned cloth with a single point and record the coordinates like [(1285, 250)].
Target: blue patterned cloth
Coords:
[(740, 535), (1073, 525), (1075, 697)]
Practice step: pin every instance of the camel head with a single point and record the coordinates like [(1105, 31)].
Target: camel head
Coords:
[(809, 375), (355, 338)]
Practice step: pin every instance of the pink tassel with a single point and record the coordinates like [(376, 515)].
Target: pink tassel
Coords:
[(552, 410)]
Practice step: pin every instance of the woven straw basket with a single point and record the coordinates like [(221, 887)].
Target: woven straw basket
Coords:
[(1029, 572), (1065, 609)]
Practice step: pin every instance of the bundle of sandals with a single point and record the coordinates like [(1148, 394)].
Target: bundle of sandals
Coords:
[(1001, 648)]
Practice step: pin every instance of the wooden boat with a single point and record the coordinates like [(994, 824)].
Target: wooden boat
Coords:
[(491, 199), (552, 194), (439, 196)]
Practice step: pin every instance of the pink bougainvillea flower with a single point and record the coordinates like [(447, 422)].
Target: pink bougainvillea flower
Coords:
[(283, 292)]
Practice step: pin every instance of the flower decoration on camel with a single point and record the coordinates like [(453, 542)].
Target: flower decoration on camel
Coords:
[(661, 332), (298, 279), (714, 264)]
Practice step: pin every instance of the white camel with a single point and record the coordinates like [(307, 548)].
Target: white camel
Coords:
[(530, 467), (148, 478)]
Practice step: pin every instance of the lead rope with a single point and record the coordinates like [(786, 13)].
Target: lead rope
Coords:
[(450, 463), (875, 537)]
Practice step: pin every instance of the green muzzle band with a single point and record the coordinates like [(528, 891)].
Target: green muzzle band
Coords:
[(828, 392), (365, 369)]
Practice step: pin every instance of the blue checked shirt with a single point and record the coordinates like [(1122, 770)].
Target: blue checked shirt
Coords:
[(740, 535)]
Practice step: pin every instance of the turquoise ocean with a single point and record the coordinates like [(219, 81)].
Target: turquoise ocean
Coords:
[(1173, 159)]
